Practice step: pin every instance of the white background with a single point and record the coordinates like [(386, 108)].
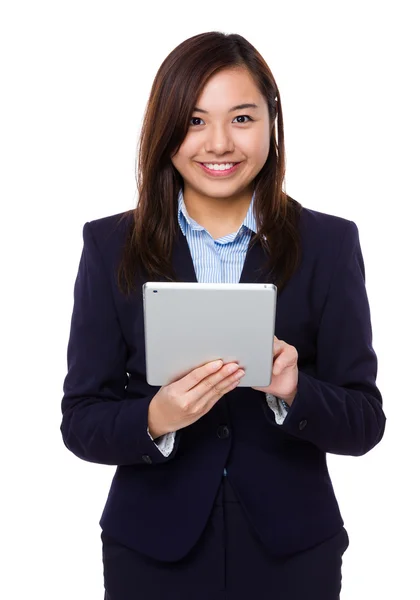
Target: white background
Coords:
[(75, 78)]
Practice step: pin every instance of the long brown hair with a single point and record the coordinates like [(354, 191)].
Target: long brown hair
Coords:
[(175, 90)]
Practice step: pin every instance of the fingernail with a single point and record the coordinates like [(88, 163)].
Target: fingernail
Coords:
[(216, 364)]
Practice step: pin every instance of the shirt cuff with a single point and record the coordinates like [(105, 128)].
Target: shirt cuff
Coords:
[(165, 442), (279, 407)]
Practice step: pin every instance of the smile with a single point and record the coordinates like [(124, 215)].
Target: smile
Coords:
[(218, 172)]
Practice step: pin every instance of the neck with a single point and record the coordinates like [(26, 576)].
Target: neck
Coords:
[(214, 213)]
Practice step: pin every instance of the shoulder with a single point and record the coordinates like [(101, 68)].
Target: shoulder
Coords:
[(107, 235), (326, 232), (111, 227), (316, 222)]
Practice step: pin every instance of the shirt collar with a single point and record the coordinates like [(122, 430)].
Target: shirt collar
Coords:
[(184, 218)]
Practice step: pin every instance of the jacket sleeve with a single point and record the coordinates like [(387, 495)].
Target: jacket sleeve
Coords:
[(98, 424), (340, 410)]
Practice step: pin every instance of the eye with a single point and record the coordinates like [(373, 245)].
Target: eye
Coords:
[(244, 117), (238, 117)]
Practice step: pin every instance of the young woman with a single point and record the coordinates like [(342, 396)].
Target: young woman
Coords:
[(220, 491)]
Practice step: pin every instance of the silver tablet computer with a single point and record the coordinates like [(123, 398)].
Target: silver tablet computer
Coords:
[(189, 324)]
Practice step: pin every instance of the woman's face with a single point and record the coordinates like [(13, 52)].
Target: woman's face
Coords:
[(220, 133)]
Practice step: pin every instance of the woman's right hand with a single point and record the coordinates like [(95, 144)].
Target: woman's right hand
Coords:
[(186, 400)]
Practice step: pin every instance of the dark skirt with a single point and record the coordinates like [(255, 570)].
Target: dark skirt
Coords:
[(228, 562)]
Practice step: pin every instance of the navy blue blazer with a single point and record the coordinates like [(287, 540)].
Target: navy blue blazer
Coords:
[(159, 505)]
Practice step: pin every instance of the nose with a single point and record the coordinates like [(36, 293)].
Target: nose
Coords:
[(218, 141)]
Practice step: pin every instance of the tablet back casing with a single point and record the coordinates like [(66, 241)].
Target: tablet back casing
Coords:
[(189, 324)]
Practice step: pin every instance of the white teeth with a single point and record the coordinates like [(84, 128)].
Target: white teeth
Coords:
[(222, 167)]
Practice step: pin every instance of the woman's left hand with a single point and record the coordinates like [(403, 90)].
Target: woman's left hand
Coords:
[(285, 372)]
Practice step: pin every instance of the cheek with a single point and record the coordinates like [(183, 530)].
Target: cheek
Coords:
[(183, 151), (180, 160), (257, 147), (189, 148), (264, 145), (263, 151)]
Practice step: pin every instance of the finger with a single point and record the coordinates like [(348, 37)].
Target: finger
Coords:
[(212, 388), (217, 381), (284, 359), (278, 346), (278, 367), (222, 387), (192, 378)]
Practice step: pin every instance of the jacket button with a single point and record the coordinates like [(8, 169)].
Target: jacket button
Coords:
[(223, 432), (303, 424), (146, 458)]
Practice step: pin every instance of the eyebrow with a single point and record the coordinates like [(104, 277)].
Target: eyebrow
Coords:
[(238, 107)]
